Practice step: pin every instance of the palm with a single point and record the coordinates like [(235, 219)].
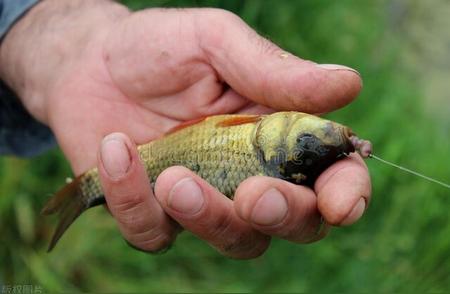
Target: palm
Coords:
[(100, 96)]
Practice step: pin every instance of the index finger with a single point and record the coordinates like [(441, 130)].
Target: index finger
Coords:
[(261, 71)]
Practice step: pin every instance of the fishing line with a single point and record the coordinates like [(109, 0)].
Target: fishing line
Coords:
[(409, 171)]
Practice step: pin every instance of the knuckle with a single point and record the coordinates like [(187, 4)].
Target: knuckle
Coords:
[(304, 226), (132, 223), (130, 215), (139, 222), (321, 233), (155, 238), (215, 20), (244, 246), (237, 243), (313, 232), (220, 15), (265, 46), (221, 225), (125, 203), (292, 231), (159, 244)]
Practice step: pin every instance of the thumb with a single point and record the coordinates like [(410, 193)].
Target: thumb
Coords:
[(261, 71)]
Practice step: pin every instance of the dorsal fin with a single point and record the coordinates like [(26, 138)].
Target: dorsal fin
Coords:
[(239, 120), (186, 124)]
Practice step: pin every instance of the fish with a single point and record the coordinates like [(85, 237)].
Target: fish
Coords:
[(224, 150)]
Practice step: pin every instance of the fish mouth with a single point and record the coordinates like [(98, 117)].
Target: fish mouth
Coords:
[(346, 133)]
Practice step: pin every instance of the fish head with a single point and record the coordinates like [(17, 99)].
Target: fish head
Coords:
[(298, 147), (318, 135)]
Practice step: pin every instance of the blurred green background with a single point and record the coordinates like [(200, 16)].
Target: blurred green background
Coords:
[(401, 244)]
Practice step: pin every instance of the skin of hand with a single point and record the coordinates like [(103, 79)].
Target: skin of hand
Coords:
[(94, 71)]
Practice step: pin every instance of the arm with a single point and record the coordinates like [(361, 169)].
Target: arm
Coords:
[(20, 133)]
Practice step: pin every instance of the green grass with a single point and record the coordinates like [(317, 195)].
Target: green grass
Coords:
[(401, 244)]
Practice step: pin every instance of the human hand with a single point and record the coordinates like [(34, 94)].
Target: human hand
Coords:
[(142, 73)]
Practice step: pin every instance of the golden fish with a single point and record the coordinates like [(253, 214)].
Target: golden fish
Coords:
[(224, 150)]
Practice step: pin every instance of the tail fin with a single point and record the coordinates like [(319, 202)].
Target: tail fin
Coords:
[(68, 203)]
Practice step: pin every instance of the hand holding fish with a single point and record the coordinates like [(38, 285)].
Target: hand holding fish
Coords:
[(144, 73)]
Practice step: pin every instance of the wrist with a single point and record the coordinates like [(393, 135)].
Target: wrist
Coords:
[(47, 41)]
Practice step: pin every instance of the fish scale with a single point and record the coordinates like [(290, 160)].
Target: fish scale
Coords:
[(213, 154)]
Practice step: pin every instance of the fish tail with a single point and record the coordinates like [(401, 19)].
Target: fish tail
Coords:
[(68, 203)]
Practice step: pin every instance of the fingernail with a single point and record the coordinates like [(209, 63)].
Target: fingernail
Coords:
[(270, 209), (337, 67), (115, 156), (186, 196), (356, 212)]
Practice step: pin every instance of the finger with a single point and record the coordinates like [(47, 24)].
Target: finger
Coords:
[(344, 190), (279, 208), (129, 196), (258, 69), (201, 209)]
